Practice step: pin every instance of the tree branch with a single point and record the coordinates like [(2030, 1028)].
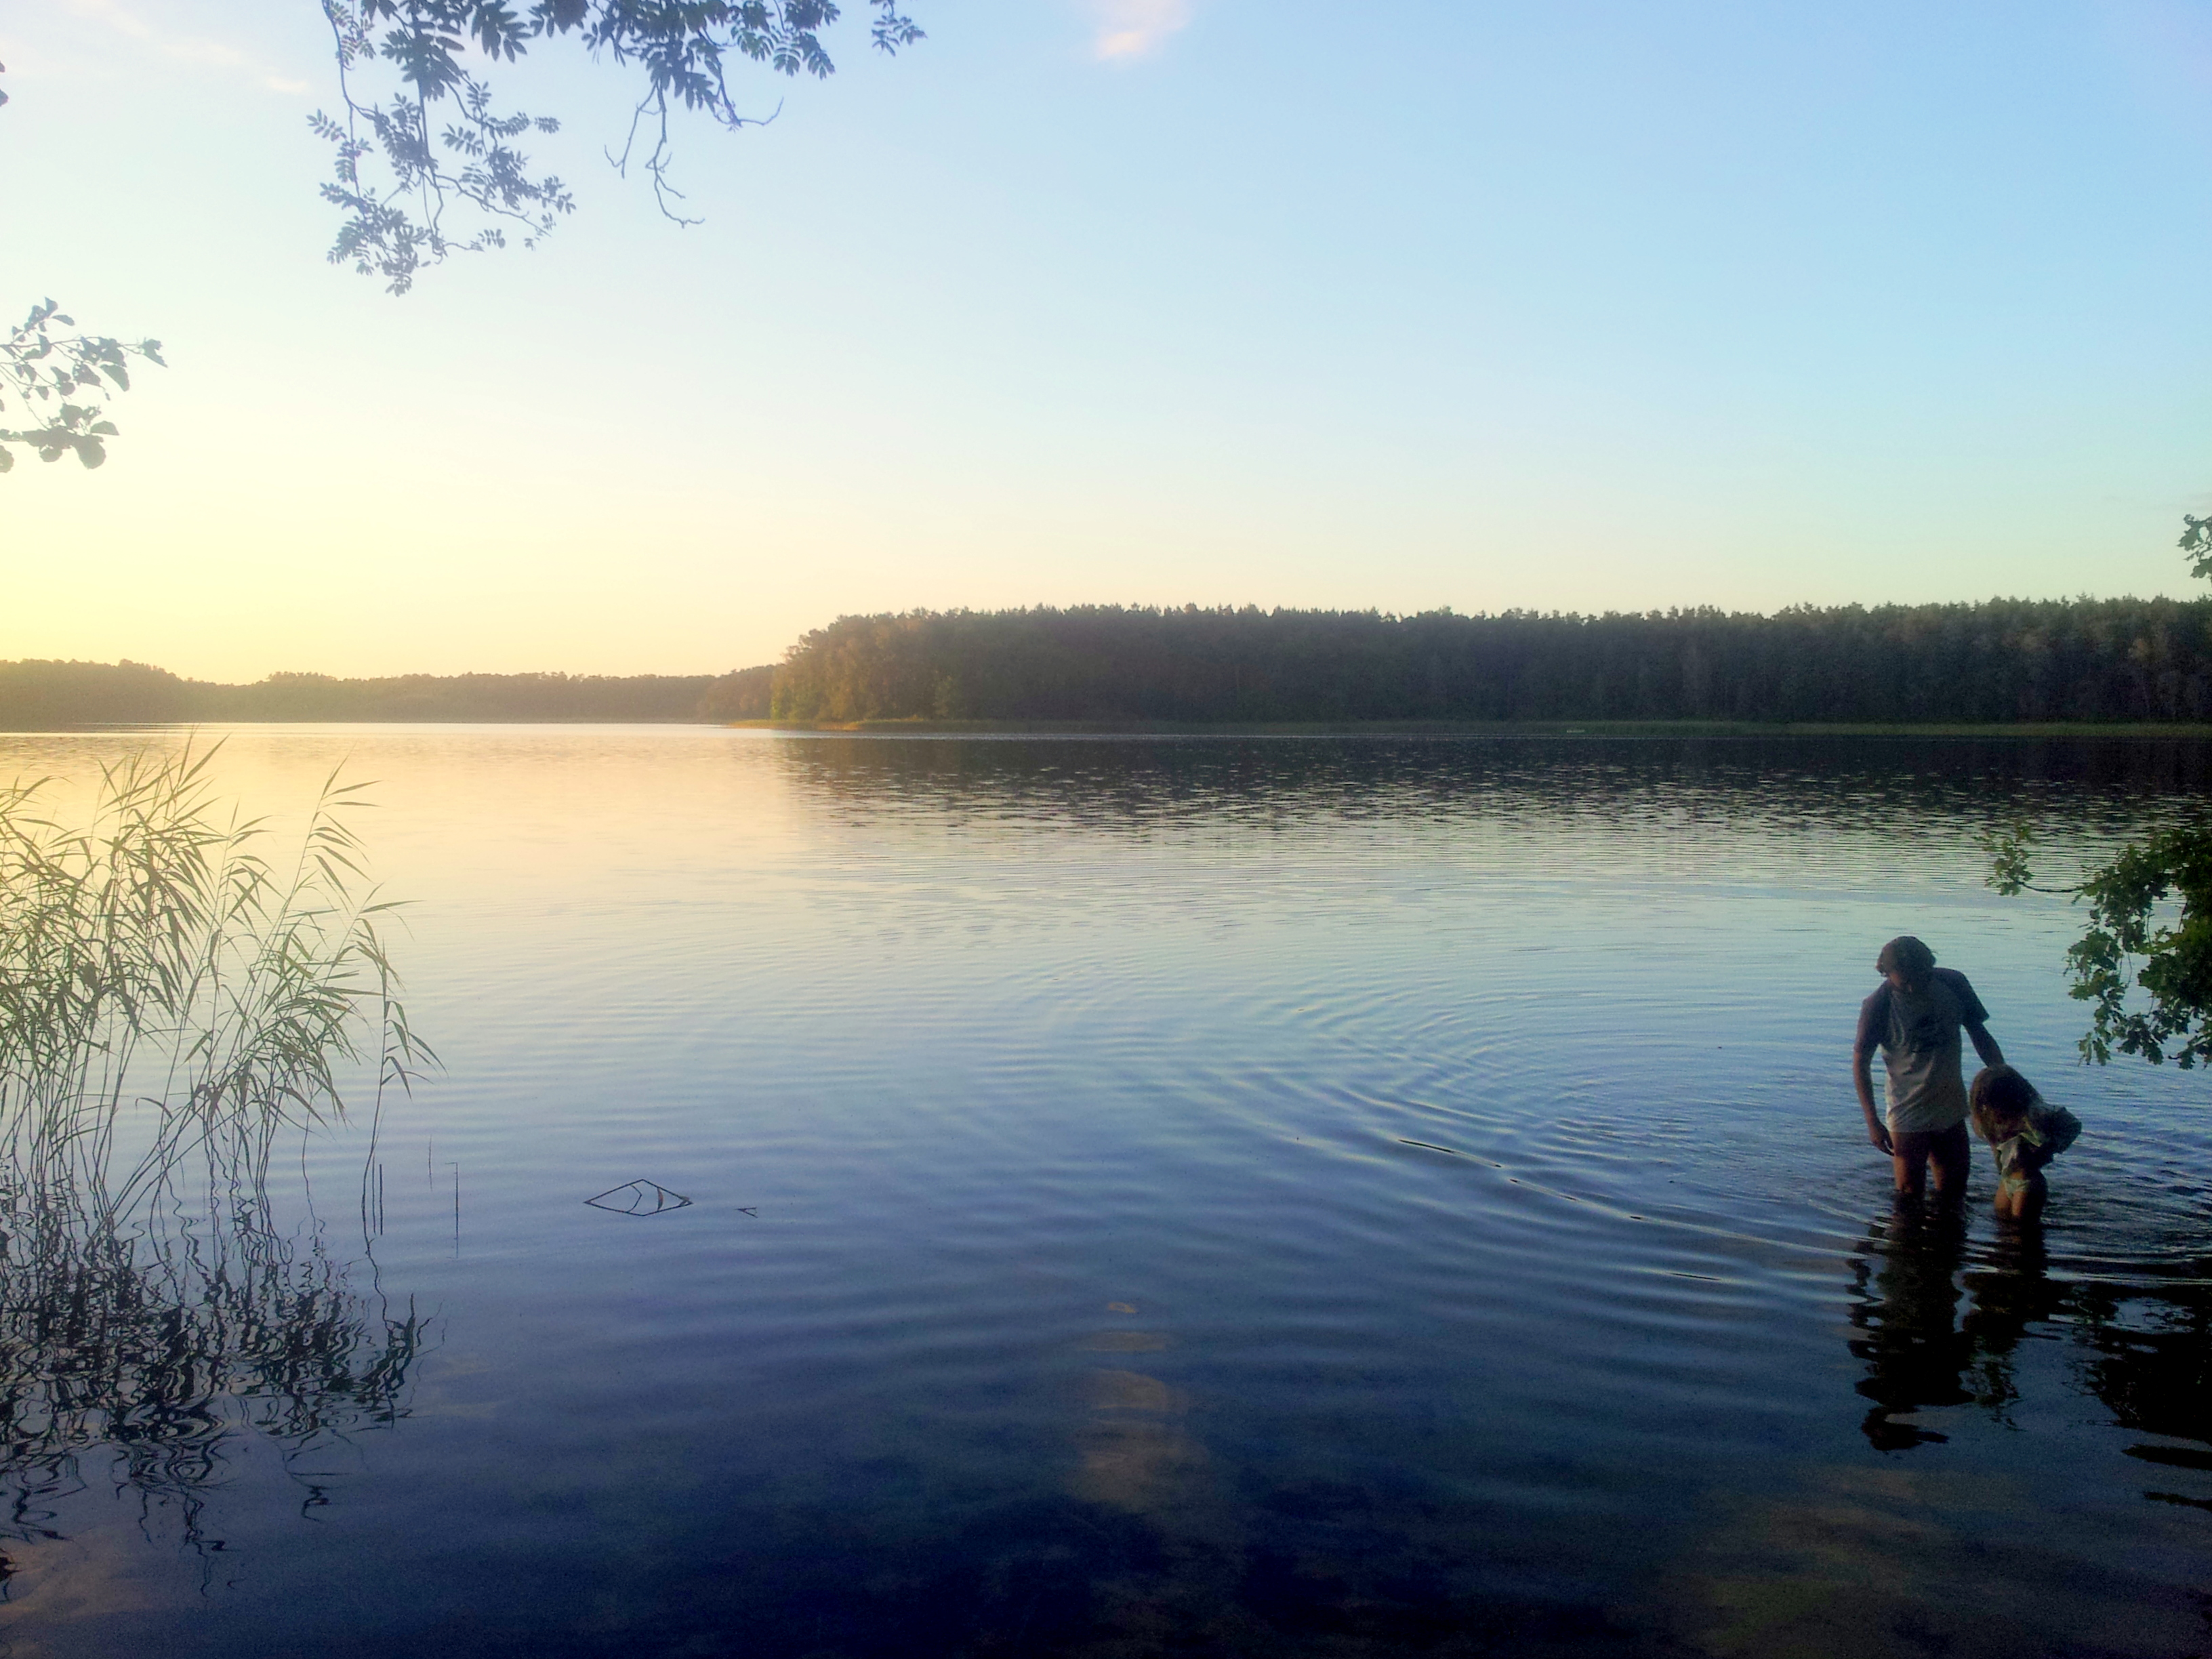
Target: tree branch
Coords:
[(49, 374), (397, 226)]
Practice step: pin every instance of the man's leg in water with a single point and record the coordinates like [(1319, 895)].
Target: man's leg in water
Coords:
[(1951, 1151), (1913, 1150), (1908, 1155)]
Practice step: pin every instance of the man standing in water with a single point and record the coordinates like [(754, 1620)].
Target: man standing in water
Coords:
[(1915, 1018)]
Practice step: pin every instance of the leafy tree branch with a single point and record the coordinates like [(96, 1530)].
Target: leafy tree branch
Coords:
[(55, 379), (2172, 1018), (52, 379), (2131, 946), (427, 163), (2197, 542)]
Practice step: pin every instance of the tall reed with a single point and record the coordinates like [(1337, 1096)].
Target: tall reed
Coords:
[(170, 998), (173, 995)]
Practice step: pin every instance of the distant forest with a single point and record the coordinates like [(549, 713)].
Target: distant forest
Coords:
[(2004, 660), (34, 695), (2001, 661)]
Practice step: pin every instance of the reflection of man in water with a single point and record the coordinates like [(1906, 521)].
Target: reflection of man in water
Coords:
[(1915, 1018), (1905, 1309), (1905, 1306)]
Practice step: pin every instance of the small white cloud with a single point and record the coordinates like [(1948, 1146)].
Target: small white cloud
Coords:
[(1136, 28), (188, 49)]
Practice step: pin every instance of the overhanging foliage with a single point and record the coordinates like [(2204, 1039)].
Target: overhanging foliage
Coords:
[(427, 161), (56, 379)]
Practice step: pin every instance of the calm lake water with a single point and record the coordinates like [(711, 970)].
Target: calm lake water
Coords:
[(1208, 1196)]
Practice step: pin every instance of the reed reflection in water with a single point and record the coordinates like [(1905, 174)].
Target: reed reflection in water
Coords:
[(172, 1007), (133, 1355)]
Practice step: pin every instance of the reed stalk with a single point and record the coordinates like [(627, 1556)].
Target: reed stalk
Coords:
[(175, 994), (170, 998)]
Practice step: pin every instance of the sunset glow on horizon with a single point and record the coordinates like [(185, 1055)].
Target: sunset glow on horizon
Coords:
[(1140, 301)]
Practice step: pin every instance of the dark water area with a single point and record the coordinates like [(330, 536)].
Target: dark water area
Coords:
[(1152, 1195)]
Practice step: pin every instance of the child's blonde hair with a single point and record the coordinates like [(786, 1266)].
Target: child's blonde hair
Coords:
[(1999, 1093)]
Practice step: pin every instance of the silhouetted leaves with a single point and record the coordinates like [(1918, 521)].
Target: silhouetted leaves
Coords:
[(44, 372), (2197, 542), (403, 179), (2130, 919)]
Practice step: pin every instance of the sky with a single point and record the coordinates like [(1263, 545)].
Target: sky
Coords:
[(1553, 303)]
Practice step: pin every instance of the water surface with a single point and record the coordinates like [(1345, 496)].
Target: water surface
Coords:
[(1224, 1195)]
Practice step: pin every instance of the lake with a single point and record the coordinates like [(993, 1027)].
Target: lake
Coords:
[(1205, 1195)]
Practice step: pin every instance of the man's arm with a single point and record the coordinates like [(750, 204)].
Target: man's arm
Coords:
[(1877, 1131), (1973, 1016)]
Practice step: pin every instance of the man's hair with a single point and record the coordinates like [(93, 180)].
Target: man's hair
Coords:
[(1999, 1092), (1907, 956)]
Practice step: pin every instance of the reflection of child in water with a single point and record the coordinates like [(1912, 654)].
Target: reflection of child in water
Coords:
[(2027, 1132)]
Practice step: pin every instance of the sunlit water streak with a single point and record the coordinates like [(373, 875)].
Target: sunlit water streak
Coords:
[(1221, 1194)]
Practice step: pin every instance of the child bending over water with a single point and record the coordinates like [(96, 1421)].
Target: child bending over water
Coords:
[(2027, 1132)]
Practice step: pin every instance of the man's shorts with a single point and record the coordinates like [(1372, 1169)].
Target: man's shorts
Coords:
[(1951, 1145)]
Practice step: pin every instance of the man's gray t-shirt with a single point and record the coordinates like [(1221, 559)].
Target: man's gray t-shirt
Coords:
[(1918, 1036)]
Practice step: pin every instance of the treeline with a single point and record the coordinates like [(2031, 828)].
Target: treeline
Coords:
[(1999, 661), (34, 695)]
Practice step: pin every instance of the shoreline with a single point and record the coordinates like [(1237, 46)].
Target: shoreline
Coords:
[(2023, 730), (2141, 729)]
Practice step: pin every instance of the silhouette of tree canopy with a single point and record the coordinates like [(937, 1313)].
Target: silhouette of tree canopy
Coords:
[(427, 163), (1998, 661)]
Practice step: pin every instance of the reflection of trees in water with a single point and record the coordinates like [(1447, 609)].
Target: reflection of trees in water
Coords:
[(171, 1005), (2103, 787), (2150, 1362), (1935, 1331)]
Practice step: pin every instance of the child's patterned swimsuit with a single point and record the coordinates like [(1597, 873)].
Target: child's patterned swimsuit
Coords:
[(2047, 1126), (2013, 1173)]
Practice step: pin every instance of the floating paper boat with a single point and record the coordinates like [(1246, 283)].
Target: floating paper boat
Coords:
[(638, 1197)]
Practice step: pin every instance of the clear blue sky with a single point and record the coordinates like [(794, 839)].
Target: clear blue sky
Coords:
[(1572, 306)]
